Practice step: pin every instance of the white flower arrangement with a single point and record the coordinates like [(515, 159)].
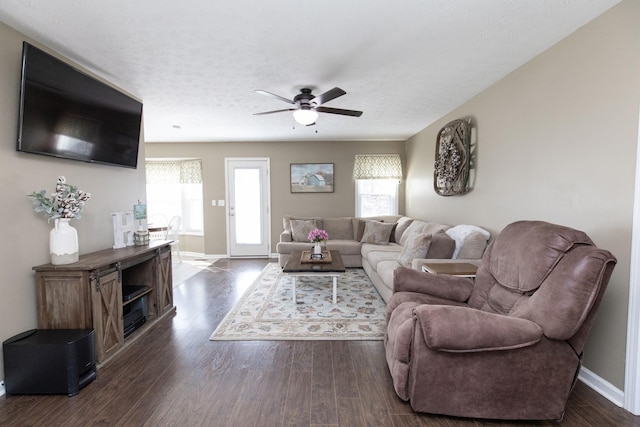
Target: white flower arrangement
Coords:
[(66, 202)]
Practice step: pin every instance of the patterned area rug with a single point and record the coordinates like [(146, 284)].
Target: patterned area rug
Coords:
[(266, 311)]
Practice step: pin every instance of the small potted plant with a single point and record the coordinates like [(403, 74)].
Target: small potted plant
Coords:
[(62, 206)]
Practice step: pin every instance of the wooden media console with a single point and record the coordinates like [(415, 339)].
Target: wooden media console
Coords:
[(88, 294)]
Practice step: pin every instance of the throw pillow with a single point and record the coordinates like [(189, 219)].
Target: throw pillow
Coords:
[(377, 232), (459, 233), (300, 229), (416, 247), (402, 225), (473, 246), (442, 246)]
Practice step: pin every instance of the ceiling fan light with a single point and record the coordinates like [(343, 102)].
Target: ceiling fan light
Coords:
[(305, 117)]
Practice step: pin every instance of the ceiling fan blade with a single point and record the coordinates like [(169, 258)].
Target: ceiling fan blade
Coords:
[(341, 111), (328, 96), (281, 98), (274, 111)]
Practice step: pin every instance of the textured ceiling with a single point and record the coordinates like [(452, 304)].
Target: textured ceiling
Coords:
[(196, 63)]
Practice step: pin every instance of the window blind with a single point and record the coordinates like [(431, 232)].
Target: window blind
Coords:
[(174, 172), (377, 166)]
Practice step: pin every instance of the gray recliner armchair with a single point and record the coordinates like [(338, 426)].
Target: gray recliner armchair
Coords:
[(508, 345)]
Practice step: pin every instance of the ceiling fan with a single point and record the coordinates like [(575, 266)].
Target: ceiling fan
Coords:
[(307, 105)]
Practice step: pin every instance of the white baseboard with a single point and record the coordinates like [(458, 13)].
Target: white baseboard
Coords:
[(602, 387), (217, 256), (192, 254), (200, 256)]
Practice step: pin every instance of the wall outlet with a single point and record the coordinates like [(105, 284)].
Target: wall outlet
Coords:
[(220, 202), (213, 203)]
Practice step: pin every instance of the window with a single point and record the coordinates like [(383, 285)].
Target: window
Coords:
[(175, 188), (377, 177), (376, 197)]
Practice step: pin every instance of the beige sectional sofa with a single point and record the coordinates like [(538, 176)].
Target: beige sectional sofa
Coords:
[(381, 244)]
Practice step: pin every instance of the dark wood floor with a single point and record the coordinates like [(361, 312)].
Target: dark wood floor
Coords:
[(175, 376)]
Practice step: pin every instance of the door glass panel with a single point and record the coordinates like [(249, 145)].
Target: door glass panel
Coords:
[(248, 224)]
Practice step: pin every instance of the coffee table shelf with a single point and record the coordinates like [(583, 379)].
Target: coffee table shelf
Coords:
[(295, 267)]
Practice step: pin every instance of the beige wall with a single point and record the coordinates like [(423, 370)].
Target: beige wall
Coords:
[(281, 154), (556, 141), (26, 234)]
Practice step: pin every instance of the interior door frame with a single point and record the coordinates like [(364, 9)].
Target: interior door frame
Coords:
[(267, 197), (632, 367)]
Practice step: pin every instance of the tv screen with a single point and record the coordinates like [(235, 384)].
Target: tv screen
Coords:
[(66, 113)]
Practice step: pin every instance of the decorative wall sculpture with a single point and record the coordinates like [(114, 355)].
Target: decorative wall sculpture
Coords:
[(453, 159)]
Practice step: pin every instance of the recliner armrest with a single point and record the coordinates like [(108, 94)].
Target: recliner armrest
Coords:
[(453, 288), (285, 236), (463, 329)]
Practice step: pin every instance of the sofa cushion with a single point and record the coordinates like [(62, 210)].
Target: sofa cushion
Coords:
[(376, 257), (402, 225), (367, 248), (339, 228), (377, 232), (300, 229), (358, 228), (416, 247), (385, 270), (346, 247)]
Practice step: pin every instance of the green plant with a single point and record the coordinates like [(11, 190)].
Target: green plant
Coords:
[(66, 202)]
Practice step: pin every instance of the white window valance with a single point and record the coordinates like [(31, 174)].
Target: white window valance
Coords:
[(174, 171), (377, 166)]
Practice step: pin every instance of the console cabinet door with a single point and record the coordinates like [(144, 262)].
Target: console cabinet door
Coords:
[(63, 300), (106, 295), (165, 283)]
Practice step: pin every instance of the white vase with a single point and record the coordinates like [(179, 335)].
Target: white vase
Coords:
[(63, 243), (317, 249)]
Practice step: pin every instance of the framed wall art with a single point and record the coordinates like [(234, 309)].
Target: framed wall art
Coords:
[(311, 177)]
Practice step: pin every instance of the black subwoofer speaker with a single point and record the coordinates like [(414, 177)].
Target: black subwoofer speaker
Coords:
[(49, 361)]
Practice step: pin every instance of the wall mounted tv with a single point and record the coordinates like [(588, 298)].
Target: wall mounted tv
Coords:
[(66, 113)]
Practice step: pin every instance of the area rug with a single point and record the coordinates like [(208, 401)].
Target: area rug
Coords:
[(266, 310)]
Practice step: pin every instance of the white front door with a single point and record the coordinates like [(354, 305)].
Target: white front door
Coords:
[(248, 219)]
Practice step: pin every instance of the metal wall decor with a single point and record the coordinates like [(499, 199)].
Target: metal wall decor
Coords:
[(453, 159)]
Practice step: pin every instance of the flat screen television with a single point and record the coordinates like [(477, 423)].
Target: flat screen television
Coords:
[(68, 114)]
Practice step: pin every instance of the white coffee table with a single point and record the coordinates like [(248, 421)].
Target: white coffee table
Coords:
[(295, 267)]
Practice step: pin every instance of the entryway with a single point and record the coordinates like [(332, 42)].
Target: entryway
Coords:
[(248, 210)]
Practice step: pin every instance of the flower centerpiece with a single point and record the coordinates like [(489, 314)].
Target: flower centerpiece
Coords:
[(316, 236), (62, 206)]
